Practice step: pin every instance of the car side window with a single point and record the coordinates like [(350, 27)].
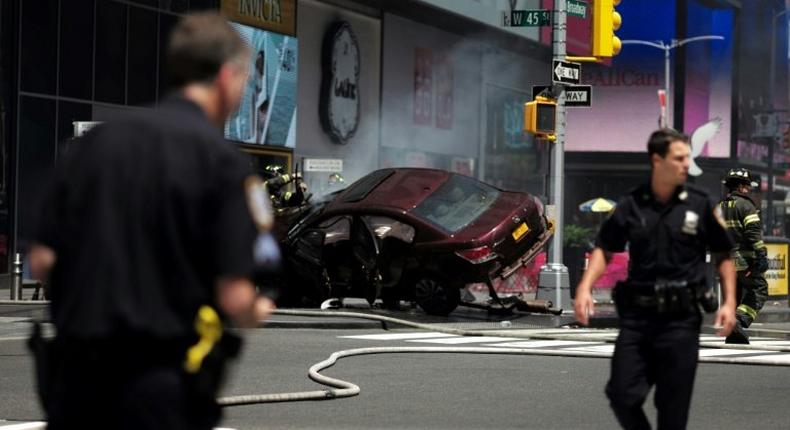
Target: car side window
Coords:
[(385, 227), (337, 229)]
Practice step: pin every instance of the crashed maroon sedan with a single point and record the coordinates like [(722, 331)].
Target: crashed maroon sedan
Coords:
[(411, 234)]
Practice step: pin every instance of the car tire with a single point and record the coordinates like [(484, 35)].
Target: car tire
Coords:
[(436, 297)]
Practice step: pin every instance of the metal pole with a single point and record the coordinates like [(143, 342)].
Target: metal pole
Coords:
[(669, 120), (769, 216), (555, 274), (558, 149), (666, 47), (16, 281)]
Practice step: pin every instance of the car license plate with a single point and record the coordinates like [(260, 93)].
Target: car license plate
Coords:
[(521, 230)]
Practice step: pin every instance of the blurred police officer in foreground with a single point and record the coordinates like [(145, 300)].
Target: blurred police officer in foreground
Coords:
[(750, 255), (147, 241), (667, 226)]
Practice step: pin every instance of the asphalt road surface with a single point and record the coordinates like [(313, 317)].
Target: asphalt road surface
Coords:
[(441, 391)]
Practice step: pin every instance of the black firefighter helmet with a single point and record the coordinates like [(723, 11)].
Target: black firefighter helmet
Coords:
[(739, 176), (272, 170)]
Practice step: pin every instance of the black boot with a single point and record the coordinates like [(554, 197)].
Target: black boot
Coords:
[(738, 335)]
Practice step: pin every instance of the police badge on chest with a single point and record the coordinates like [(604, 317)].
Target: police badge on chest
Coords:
[(690, 223)]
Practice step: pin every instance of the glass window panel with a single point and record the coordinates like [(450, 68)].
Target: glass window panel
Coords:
[(166, 23), (36, 157), (180, 6), (153, 3), (76, 49), (68, 112), (39, 51), (110, 51), (142, 56), (203, 4)]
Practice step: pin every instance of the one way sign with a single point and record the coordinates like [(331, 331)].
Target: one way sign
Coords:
[(564, 72), (575, 95)]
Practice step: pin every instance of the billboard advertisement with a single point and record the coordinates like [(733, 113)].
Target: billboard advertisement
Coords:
[(777, 269), (267, 112), (625, 106)]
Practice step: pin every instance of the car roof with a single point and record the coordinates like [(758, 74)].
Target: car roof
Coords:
[(399, 189)]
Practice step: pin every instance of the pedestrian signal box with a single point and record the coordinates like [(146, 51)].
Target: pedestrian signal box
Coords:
[(539, 117)]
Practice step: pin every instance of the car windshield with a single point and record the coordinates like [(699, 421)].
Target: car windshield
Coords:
[(456, 203)]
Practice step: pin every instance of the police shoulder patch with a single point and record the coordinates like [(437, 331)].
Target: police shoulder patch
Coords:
[(258, 202)]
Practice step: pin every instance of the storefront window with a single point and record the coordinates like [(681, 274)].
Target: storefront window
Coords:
[(36, 158), (39, 51), (142, 70), (111, 52), (76, 49)]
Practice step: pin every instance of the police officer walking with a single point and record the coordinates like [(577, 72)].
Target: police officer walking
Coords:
[(750, 254), (147, 242), (667, 226)]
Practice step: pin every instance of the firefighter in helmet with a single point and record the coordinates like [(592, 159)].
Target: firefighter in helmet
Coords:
[(276, 180), (751, 260)]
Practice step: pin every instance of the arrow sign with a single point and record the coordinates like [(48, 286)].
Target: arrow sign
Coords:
[(575, 95), (564, 72)]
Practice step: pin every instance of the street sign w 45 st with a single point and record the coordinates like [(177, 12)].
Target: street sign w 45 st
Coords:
[(527, 18)]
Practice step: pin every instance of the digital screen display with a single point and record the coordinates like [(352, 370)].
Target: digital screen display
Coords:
[(267, 112)]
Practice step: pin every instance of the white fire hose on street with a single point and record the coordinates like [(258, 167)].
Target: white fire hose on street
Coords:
[(342, 388)]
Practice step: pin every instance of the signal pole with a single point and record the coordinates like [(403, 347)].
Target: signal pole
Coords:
[(554, 275)]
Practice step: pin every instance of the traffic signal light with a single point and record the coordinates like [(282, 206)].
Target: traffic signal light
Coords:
[(605, 21), (539, 117)]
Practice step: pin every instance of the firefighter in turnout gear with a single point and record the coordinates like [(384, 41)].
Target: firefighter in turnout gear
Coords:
[(276, 181), (750, 255)]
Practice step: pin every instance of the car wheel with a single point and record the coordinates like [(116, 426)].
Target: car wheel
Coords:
[(436, 297)]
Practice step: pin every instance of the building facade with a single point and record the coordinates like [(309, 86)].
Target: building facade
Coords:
[(355, 85)]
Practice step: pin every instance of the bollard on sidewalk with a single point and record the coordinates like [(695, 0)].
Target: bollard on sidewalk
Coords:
[(16, 281)]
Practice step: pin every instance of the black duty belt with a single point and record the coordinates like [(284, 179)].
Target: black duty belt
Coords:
[(661, 296)]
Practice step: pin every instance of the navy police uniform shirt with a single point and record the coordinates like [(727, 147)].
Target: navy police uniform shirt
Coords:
[(665, 241), (145, 213)]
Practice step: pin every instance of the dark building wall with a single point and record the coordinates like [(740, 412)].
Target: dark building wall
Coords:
[(78, 60)]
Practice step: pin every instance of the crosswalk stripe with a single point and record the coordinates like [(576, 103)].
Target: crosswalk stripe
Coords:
[(460, 340), (597, 343), (708, 352), (13, 320), (541, 343), (595, 348), (785, 358), (41, 425), (400, 336), (769, 342), (36, 425)]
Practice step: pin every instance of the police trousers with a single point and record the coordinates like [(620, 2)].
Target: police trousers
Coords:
[(654, 349), (752, 292), (117, 385)]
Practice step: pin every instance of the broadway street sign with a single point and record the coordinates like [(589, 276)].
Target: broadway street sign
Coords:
[(577, 8)]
